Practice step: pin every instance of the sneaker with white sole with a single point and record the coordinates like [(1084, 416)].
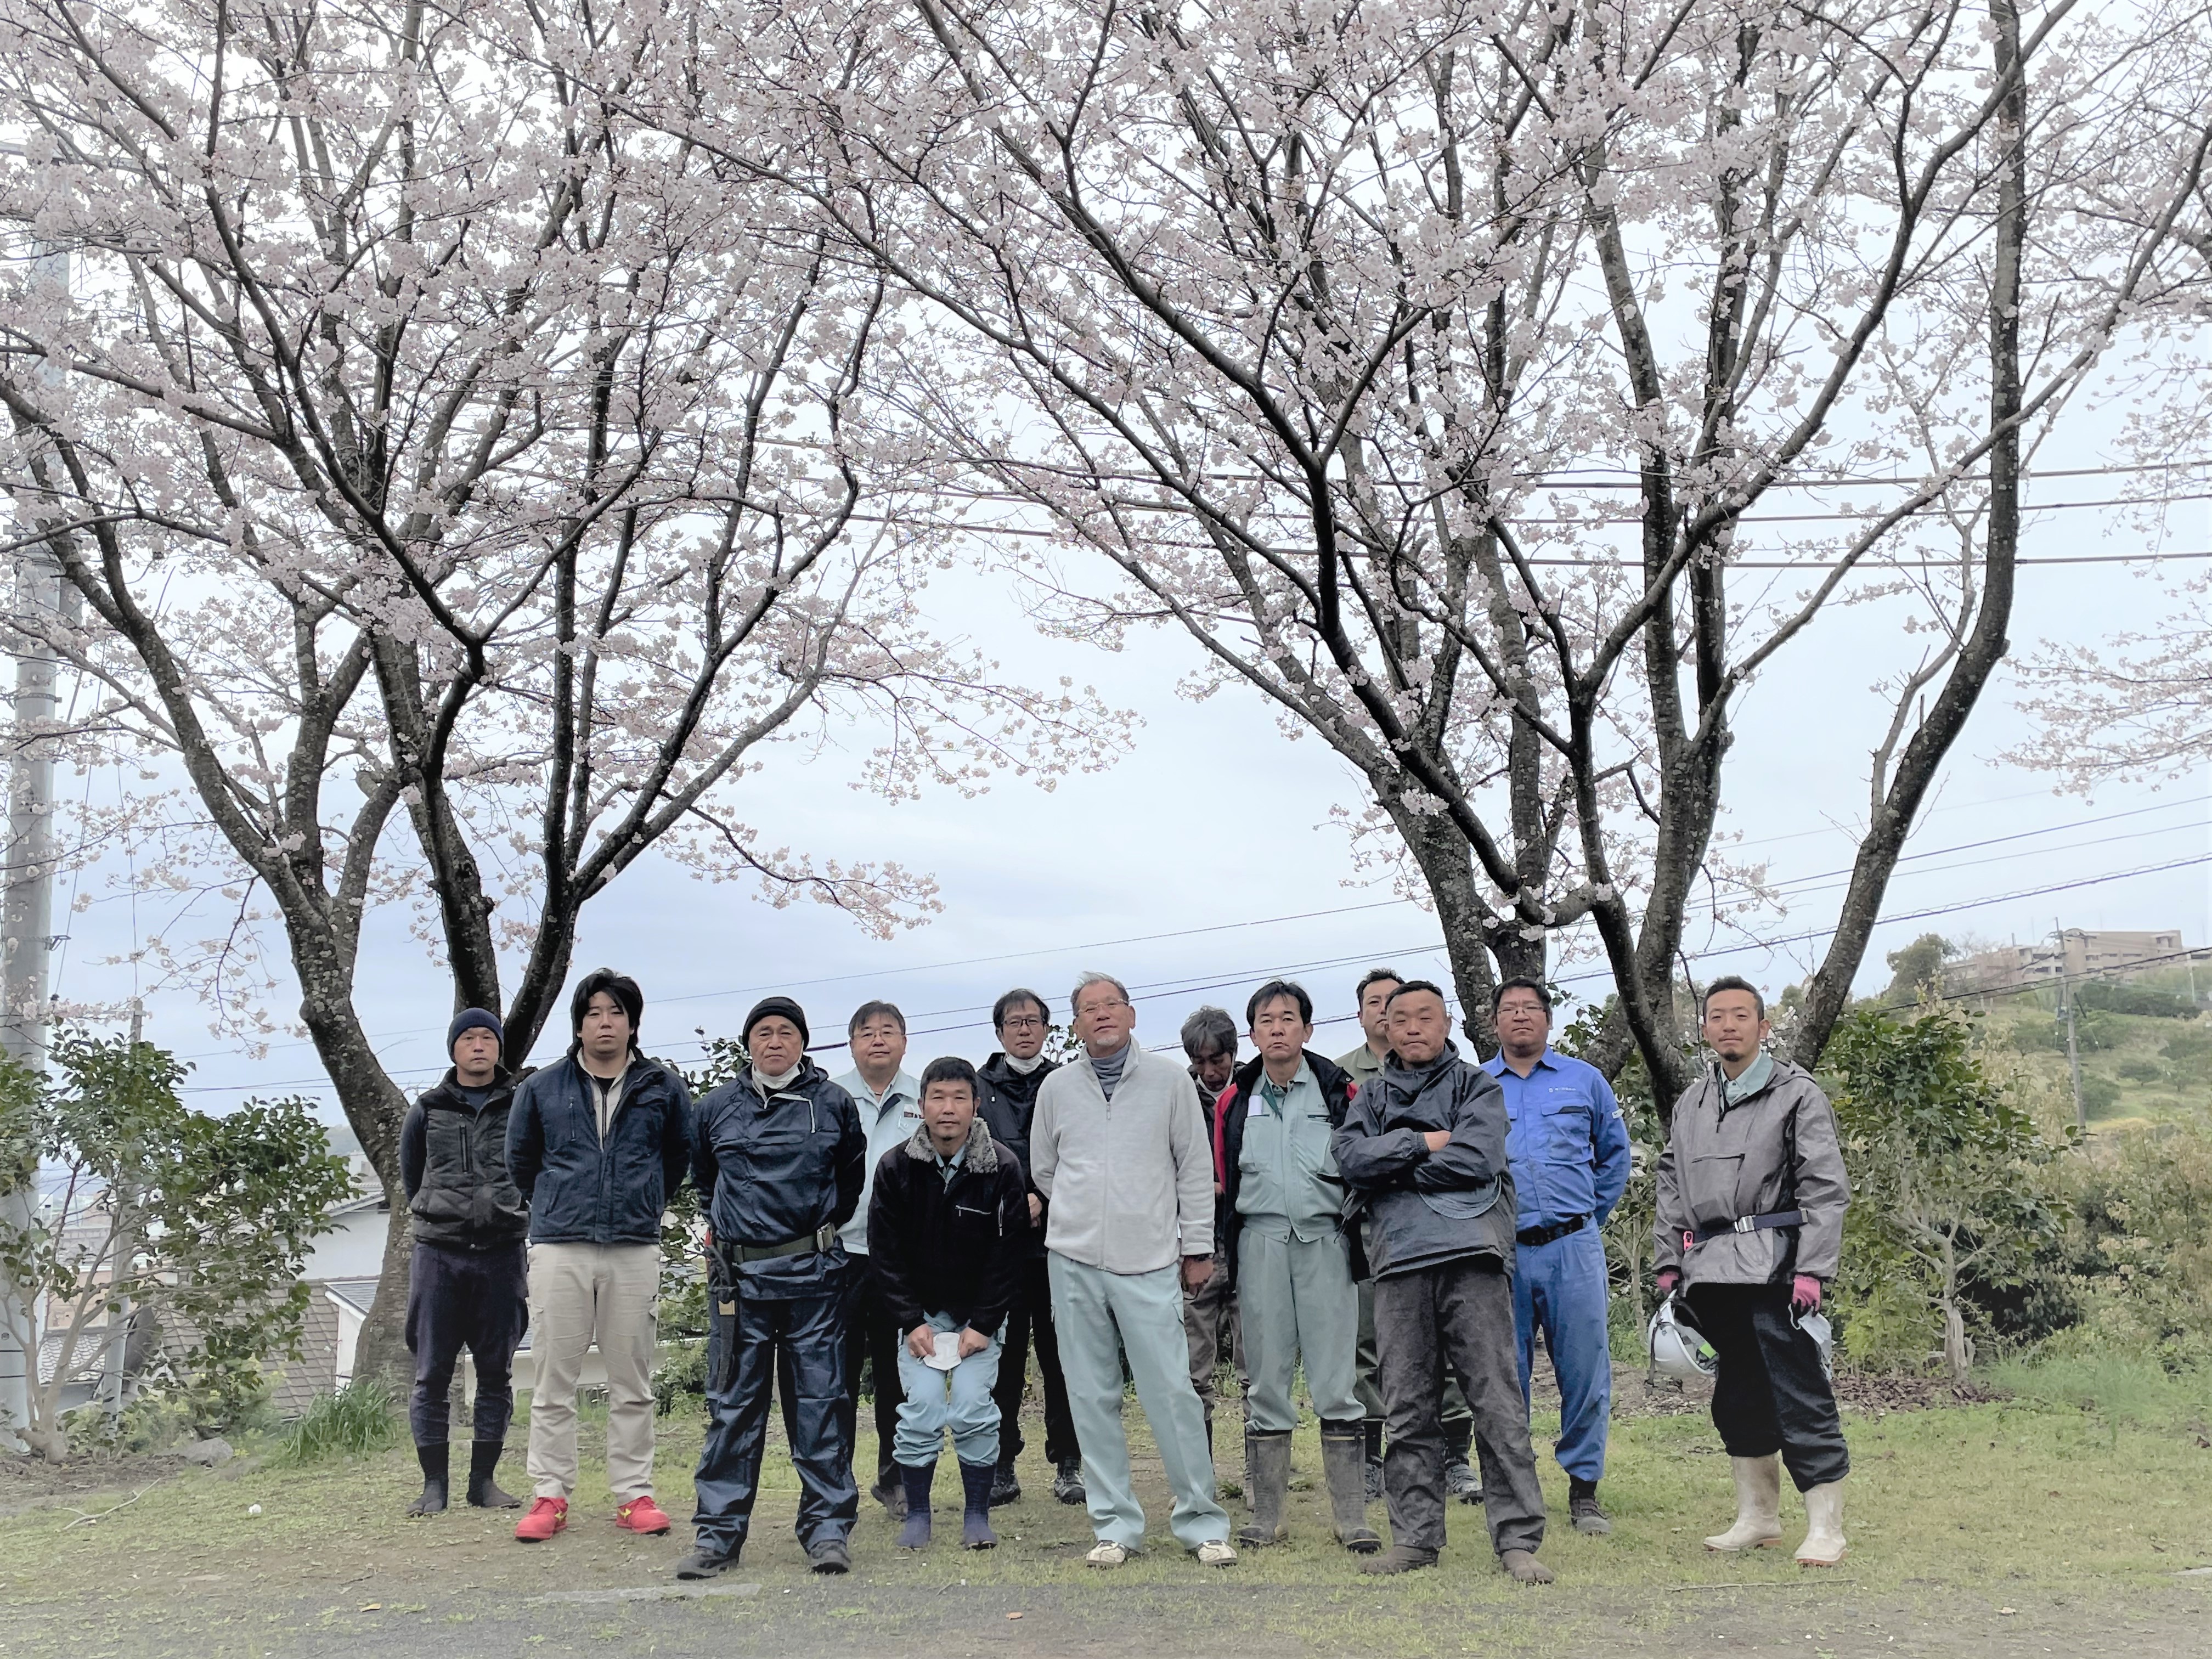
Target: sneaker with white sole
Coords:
[(1215, 1553), (1108, 1555)]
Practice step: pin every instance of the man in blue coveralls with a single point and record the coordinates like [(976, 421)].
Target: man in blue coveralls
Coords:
[(1569, 1151)]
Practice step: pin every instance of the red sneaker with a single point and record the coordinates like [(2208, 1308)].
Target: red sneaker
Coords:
[(547, 1517), (642, 1515)]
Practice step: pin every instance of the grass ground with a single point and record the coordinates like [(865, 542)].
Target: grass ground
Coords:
[(2026, 1526)]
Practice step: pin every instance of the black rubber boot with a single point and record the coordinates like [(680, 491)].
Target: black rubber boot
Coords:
[(484, 1491), (1460, 1481), (1342, 1454), (1269, 1458), (915, 1535), (975, 1532), (434, 1467)]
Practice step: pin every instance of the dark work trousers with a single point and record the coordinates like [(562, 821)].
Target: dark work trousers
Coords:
[(1030, 1320), (871, 1336), (801, 1340), (474, 1299), (1457, 1315), (1770, 1394)]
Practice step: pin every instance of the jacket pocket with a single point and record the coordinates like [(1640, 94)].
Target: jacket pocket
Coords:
[(1712, 1187)]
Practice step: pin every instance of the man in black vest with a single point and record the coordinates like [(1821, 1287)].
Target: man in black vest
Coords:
[(469, 1282), (1010, 1080)]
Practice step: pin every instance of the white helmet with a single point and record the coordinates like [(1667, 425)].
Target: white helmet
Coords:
[(1677, 1349)]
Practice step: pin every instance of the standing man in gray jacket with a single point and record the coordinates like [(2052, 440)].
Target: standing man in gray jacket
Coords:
[(1120, 1154), (1752, 1196), (1423, 1154)]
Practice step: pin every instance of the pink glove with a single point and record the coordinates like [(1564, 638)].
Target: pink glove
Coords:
[(1805, 1293), (1668, 1279)]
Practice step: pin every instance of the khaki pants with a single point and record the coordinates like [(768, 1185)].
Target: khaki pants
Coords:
[(582, 1294)]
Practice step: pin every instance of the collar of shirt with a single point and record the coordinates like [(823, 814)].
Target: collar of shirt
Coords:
[(1275, 1094), (1496, 1067), (948, 1167), (902, 1086), (1753, 1080)]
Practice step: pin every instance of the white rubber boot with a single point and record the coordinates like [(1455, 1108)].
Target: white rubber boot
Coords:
[(1823, 1536), (1758, 1506)]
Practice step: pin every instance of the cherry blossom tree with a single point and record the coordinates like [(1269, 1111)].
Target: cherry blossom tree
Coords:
[(1449, 370), (462, 488)]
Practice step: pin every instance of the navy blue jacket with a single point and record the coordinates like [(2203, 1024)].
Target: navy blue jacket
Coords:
[(776, 1170), (579, 1192)]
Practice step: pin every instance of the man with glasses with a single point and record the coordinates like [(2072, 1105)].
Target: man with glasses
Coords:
[(889, 1103), (1119, 1147), (1010, 1080), (1568, 1147)]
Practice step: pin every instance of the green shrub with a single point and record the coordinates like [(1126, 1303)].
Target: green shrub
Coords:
[(2111, 996), (360, 1418), (2142, 1071)]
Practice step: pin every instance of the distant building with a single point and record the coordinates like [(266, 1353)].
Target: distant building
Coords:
[(2075, 953)]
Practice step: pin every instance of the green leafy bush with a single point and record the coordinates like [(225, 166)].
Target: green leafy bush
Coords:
[(1955, 1190), (2118, 997), (360, 1418)]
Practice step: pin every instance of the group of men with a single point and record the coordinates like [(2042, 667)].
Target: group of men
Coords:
[(1398, 1222)]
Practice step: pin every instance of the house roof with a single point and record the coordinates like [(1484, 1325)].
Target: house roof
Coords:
[(355, 1293)]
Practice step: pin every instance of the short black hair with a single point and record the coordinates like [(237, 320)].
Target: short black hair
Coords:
[(1407, 987), (1273, 991), (1732, 982), (1504, 986), (868, 1011), (1375, 976), (1013, 999), (950, 1069), (620, 987), (1209, 1032)]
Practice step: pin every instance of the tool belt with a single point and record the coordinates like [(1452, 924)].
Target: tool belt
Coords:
[(734, 1256), (1533, 1235), (1744, 1224)]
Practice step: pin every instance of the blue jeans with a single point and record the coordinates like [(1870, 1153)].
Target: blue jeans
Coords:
[(1561, 1287), (959, 1400)]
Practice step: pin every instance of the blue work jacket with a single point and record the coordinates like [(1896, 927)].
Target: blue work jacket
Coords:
[(581, 1190), (1568, 1145)]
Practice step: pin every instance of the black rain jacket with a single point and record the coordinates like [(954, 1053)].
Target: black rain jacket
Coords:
[(777, 1167), (1420, 1208)]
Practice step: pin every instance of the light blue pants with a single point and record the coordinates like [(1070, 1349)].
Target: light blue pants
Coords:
[(1297, 1298), (1560, 1288), (1099, 1316), (959, 1400)]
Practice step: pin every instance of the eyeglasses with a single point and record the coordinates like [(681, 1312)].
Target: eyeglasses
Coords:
[(1101, 1007), (1023, 1022)]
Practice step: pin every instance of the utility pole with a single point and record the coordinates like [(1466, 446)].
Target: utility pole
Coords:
[(2066, 1013), (125, 1251), (26, 912)]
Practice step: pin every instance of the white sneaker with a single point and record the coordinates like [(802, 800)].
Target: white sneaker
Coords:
[(1108, 1555), (1216, 1552)]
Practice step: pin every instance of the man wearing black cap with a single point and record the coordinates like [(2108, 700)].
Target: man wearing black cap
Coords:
[(597, 1142), (468, 1284), (778, 1160)]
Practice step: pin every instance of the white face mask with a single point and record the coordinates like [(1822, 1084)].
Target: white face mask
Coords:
[(773, 1083), (1024, 1067)]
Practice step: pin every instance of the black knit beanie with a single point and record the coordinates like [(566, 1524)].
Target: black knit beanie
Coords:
[(769, 1008)]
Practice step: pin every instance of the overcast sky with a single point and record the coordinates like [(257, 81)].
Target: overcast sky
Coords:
[(1206, 860)]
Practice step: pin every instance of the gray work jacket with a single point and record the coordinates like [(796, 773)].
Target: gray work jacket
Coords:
[(1772, 1152)]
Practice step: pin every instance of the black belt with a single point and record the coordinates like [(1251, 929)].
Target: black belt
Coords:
[(1550, 1235), (820, 1239), (1746, 1223)]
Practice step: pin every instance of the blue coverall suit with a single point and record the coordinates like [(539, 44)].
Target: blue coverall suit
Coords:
[(1568, 1147)]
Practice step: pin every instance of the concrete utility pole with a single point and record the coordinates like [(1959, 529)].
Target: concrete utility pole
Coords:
[(2066, 1013), (26, 914)]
